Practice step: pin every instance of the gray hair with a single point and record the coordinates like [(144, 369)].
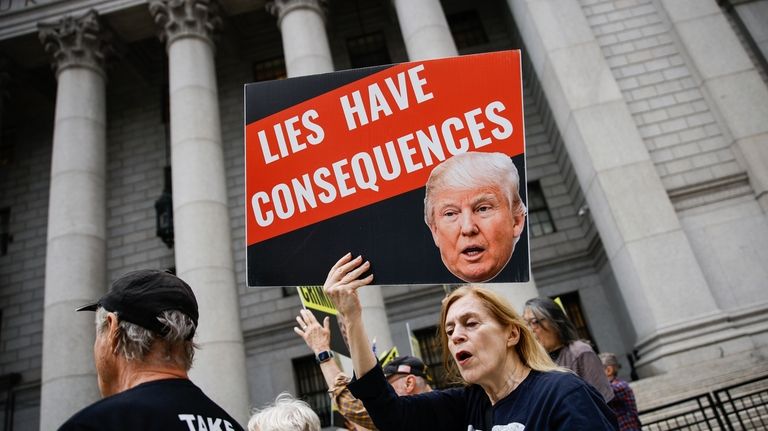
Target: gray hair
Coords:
[(474, 169), (135, 342), (286, 414), (545, 309)]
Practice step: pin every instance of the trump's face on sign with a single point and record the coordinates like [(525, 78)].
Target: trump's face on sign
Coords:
[(475, 214)]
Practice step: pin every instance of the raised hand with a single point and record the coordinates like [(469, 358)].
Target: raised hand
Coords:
[(317, 337), (343, 281)]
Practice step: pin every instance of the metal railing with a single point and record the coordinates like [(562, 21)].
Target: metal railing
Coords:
[(739, 407)]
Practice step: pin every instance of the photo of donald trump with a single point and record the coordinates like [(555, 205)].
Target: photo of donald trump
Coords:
[(473, 209)]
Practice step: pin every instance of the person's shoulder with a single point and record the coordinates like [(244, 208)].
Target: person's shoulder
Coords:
[(620, 384), (95, 414), (558, 381), (579, 347)]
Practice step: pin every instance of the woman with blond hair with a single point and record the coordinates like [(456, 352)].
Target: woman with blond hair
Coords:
[(510, 381)]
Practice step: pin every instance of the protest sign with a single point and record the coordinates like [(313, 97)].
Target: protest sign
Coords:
[(337, 163), (314, 299)]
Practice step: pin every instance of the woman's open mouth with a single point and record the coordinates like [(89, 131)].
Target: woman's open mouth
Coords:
[(462, 357)]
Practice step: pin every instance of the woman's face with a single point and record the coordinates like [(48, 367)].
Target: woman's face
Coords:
[(542, 330), (479, 344)]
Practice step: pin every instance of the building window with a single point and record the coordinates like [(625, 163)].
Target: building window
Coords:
[(572, 305), (267, 70), (467, 29), (432, 355), (5, 230), (539, 218), (368, 50), (312, 387)]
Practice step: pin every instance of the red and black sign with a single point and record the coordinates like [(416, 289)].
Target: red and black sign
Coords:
[(337, 163)]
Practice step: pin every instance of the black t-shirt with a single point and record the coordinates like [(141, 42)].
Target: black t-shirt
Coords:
[(556, 401), (160, 405)]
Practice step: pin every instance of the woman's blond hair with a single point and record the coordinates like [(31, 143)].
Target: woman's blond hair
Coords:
[(530, 352)]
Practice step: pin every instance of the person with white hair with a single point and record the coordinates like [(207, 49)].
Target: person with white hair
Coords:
[(473, 208), (143, 351), (285, 414), (623, 402)]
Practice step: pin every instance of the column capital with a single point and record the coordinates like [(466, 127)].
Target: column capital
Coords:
[(280, 8), (186, 18), (77, 41)]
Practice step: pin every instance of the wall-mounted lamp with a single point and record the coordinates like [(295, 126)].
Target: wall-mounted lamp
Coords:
[(164, 211)]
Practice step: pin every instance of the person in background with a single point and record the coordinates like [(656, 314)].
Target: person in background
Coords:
[(510, 381), (318, 339), (285, 414), (559, 338), (408, 375), (623, 402), (143, 351)]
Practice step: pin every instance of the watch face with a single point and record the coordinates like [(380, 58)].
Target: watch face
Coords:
[(324, 356)]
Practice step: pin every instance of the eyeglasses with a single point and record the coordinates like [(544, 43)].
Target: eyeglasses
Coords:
[(534, 322)]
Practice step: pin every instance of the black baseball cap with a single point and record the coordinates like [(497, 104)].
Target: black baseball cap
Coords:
[(141, 296), (406, 365)]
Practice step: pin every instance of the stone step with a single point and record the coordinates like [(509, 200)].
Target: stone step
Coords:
[(696, 380)]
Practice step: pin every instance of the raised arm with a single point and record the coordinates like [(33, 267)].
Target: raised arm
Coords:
[(443, 410), (318, 339), (341, 286)]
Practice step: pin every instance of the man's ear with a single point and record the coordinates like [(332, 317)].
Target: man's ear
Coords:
[(410, 384), (113, 329), (518, 223), (513, 336), (433, 230)]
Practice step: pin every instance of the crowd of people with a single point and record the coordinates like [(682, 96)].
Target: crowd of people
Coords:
[(518, 372), (512, 371)]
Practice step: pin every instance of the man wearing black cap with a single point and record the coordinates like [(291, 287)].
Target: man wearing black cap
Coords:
[(143, 351), (407, 375)]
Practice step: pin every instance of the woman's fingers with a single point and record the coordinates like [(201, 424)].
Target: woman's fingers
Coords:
[(300, 321), (344, 259), (362, 282), (357, 272), (309, 318)]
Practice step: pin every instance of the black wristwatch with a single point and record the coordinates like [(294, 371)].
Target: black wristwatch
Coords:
[(323, 356)]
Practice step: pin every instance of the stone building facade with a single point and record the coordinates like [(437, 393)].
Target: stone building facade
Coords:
[(647, 144)]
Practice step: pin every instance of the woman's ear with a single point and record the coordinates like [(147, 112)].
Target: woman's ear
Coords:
[(513, 335)]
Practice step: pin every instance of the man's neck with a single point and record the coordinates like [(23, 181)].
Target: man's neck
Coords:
[(135, 374)]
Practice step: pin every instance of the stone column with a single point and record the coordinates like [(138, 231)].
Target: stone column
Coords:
[(305, 42), (306, 50), (75, 266), (666, 293), (425, 30), (516, 293), (733, 83), (203, 242)]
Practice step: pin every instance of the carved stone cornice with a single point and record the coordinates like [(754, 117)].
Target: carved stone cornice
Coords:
[(77, 41), (186, 18), (280, 8)]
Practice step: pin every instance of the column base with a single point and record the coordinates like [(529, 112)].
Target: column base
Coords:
[(721, 335)]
